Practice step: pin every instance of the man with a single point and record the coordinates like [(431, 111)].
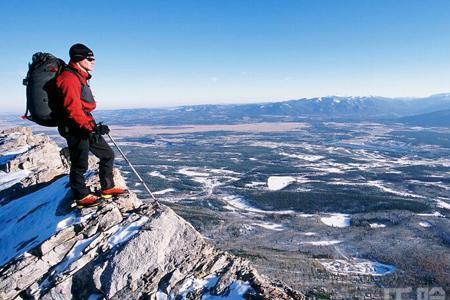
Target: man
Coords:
[(78, 127)]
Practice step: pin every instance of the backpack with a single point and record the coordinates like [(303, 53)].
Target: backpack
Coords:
[(42, 93)]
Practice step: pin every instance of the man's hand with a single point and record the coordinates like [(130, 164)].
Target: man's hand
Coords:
[(101, 129)]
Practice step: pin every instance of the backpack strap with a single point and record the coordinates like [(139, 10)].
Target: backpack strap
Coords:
[(25, 116)]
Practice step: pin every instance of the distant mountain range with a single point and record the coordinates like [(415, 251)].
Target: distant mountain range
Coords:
[(438, 118), (331, 107)]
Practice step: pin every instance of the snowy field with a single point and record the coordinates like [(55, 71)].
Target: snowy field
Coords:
[(336, 220), (269, 172), (314, 199), (319, 189)]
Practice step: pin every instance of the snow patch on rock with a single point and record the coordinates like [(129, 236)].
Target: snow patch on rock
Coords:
[(9, 179), (236, 290), (75, 254), (127, 232)]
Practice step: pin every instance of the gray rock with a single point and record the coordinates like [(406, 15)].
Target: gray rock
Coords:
[(60, 292), (43, 157), (15, 282), (58, 253), (110, 217), (57, 239)]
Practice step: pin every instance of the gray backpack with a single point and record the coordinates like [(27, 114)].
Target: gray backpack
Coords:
[(42, 94)]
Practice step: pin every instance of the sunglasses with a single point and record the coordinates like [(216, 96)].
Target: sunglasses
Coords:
[(91, 59)]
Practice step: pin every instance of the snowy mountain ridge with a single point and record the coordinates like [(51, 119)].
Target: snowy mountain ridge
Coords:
[(125, 249), (343, 108)]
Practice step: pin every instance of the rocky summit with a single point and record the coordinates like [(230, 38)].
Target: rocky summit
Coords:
[(126, 248)]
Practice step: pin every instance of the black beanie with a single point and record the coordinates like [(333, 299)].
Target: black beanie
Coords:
[(78, 52)]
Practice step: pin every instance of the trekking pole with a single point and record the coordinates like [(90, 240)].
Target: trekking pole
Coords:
[(132, 168)]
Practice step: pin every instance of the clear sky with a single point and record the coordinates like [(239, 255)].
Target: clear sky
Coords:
[(168, 53)]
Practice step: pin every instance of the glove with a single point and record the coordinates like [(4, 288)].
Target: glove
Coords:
[(101, 129)]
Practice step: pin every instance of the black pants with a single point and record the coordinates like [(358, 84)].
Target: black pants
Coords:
[(80, 143)]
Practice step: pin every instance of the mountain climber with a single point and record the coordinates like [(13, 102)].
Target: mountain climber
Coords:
[(79, 128)]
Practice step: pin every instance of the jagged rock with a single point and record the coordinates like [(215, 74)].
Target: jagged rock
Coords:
[(123, 249), (27, 162), (15, 138), (60, 292), (14, 281), (31, 153), (58, 253), (109, 218)]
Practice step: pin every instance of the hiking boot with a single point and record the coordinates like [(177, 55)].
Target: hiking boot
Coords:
[(88, 201), (115, 191)]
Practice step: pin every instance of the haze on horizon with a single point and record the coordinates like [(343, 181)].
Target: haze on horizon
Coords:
[(162, 54)]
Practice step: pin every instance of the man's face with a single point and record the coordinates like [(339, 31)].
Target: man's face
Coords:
[(88, 63)]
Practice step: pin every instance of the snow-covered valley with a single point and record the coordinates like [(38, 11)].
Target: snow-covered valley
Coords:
[(351, 192)]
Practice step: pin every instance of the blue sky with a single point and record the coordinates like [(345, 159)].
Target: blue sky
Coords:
[(168, 53)]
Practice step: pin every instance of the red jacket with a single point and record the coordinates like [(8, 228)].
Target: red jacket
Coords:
[(75, 109)]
